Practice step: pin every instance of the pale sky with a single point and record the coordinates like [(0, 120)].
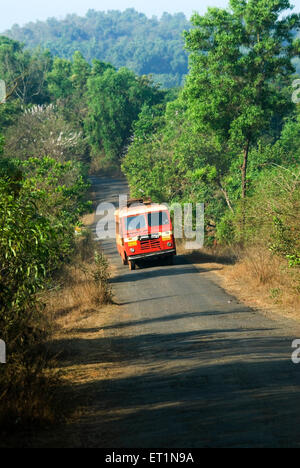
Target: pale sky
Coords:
[(21, 12)]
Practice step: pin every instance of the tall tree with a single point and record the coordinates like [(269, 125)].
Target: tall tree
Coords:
[(59, 79), (240, 60), (115, 99), (24, 73)]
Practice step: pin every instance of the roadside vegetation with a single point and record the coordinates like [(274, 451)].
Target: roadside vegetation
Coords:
[(231, 140)]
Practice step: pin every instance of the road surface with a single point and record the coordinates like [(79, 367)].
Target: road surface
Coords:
[(197, 368)]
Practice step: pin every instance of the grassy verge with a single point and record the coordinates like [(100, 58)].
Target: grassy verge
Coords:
[(83, 284), (254, 275)]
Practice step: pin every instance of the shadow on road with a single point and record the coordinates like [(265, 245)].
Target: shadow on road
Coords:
[(154, 270), (238, 391)]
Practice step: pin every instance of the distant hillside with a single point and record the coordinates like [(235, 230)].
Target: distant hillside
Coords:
[(145, 45)]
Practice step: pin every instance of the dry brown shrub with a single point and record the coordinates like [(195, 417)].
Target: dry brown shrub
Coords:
[(261, 274), (84, 284)]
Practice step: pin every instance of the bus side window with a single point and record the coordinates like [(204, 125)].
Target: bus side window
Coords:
[(121, 231)]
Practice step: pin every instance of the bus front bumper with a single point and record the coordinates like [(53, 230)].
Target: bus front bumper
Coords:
[(152, 254)]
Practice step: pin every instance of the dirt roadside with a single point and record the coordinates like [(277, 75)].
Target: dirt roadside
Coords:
[(250, 293)]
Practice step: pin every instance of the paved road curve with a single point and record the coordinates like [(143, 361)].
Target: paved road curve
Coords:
[(200, 368)]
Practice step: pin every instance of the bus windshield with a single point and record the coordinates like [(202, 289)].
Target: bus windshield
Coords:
[(160, 218), (133, 223)]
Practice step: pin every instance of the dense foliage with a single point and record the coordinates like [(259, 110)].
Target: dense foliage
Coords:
[(144, 45), (239, 63), (79, 109), (115, 99), (23, 71), (43, 187), (40, 201), (232, 131)]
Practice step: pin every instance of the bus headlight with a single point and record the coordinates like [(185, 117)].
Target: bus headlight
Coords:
[(169, 244), (132, 250)]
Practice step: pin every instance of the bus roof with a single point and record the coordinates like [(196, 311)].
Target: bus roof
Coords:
[(140, 209)]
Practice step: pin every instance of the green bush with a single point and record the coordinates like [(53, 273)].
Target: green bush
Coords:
[(226, 233), (273, 213), (40, 202)]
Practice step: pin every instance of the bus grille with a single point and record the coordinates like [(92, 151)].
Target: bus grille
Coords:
[(150, 244)]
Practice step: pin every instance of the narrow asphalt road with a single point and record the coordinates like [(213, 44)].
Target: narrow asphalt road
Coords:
[(200, 369)]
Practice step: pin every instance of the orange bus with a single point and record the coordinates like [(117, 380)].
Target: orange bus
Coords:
[(144, 231)]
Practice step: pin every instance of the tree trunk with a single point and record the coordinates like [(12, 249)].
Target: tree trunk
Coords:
[(244, 170), (244, 185), (225, 196)]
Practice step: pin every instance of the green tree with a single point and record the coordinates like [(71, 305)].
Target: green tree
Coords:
[(240, 60), (59, 78), (24, 72), (115, 99), (1, 143), (80, 71), (68, 86)]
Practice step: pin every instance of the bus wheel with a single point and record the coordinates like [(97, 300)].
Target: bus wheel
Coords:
[(124, 260), (131, 265)]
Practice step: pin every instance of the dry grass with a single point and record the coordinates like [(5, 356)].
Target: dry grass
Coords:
[(266, 280), (253, 275), (28, 380), (84, 285), (88, 219), (218, 255), (78, 294)]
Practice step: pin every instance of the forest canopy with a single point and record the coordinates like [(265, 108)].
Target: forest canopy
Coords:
[(124, 39)]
